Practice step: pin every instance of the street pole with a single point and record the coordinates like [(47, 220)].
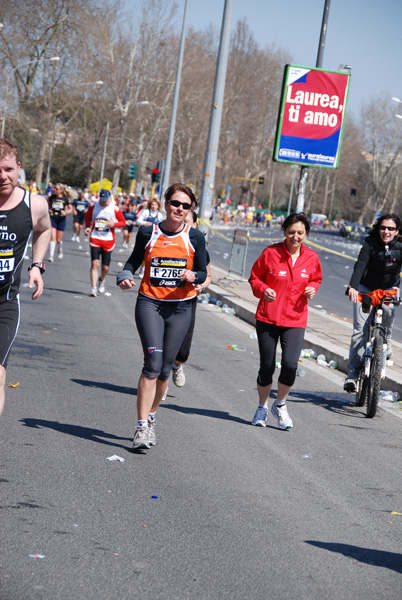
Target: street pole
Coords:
[(49, 163), (104, 156), (164, 183), (208, 177), (320, 55), (291, 189)]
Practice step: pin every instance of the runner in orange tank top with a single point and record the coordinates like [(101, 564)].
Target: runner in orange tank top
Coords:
[(175, 261)]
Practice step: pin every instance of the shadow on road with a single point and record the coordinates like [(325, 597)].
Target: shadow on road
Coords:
[(215, 414), (106, 386), (369, 556), (334, 402), (86, 433)]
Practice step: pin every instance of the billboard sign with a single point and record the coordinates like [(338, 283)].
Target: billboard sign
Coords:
[(311, 118)]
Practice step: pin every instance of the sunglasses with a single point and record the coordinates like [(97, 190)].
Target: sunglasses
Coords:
[(384, 228), (177, 203)]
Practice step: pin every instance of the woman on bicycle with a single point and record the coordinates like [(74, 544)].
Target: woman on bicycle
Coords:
[(377, 268), (175, 262), (284, 277)]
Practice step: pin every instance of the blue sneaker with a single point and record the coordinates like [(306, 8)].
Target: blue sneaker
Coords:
[(260, 417)]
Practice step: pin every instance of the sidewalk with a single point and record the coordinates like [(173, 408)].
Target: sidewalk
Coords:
[(325, 334)]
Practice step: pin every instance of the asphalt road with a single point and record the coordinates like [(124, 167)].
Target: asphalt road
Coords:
[(240, 512), (337, 268)]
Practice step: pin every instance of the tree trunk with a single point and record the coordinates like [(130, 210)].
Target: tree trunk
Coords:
[(41, 159)]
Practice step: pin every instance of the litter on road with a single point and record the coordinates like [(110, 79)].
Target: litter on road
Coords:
[(115, 458)]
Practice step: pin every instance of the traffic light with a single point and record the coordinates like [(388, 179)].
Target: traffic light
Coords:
[(156, 176), (353, 192), (132, 170)]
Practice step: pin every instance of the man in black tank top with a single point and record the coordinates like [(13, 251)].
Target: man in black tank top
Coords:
[(21, 213)]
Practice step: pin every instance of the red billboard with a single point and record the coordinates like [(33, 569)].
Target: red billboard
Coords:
[(311, 118)]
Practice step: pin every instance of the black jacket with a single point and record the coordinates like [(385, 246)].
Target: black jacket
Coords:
[(374, 268)]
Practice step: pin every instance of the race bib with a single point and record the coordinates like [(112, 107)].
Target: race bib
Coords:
[(6, 264), (57, 205), (165, 272), (101, 225)]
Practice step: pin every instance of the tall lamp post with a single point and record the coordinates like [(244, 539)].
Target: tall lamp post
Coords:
[(208, 179), (398, 115)]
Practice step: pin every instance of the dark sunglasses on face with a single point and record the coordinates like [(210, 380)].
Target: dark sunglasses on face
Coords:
[(177, 203), (384, 227)]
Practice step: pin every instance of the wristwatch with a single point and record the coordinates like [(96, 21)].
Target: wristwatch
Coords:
[(41, 266)]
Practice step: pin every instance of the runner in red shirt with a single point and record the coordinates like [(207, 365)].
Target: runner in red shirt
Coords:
[(284, 277), (101, 220)]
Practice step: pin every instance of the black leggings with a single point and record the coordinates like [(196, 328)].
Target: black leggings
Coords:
[(291, 339), (162, 327), (185, 348)]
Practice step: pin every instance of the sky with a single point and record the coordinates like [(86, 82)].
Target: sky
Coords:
[(365, 34)]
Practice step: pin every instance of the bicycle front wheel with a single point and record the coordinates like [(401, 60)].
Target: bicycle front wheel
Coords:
[(362, 389), (374, 384)]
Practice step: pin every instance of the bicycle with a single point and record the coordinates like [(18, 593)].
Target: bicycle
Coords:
[(375, 357)]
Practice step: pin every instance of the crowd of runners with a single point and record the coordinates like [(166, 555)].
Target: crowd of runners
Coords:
[(170, 257)]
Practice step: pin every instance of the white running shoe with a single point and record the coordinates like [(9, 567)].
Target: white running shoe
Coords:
[(77, 239), (93, 293), (141, 439), (281, 413), (178, 376), (101, 286), (260, 417), (51, 259), (151, 433), (74, 238), (61, 253)]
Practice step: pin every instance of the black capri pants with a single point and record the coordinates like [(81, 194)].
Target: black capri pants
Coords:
[(162, 327), (185, 348), (9, 323), (291, 339)]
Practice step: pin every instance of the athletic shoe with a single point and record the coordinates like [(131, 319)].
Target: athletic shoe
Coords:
[(51, 259), (164, 395), (151, 433), (61, 254), (125, 245), (74, 238), (77, 239), (350, 385), (93, 293), (101, 286), (260, 417), (178, 376), (141, 439), (281, 413)]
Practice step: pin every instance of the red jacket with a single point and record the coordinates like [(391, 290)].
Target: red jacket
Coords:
[(274, 269)]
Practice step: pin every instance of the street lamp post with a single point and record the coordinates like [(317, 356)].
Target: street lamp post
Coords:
[(398, 115)]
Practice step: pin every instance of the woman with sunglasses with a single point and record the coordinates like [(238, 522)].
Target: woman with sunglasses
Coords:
[(175, 262), (377, 268)]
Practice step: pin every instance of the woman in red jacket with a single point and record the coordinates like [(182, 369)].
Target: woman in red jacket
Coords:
[(284, 277)]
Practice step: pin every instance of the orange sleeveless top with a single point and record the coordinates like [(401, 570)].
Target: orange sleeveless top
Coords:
[(165, 258)]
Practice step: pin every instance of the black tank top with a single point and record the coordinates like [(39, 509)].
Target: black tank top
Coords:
[(15, 229)]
